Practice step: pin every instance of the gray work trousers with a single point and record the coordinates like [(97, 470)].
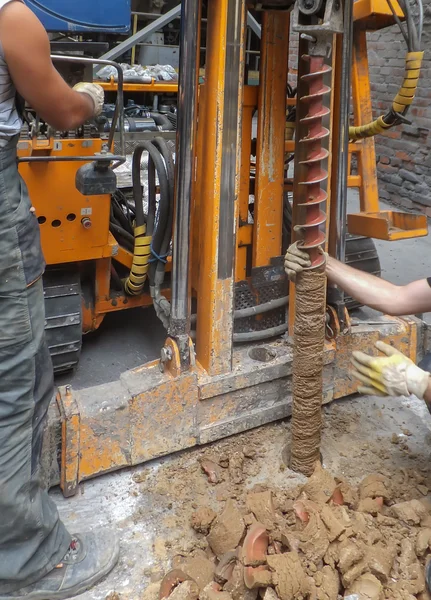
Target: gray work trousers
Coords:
[(33, 540)]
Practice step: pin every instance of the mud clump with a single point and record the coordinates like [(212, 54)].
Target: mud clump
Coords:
[(289, 576), (320, 486), (202, 519), (185, 591), (227, 530), (366, 587), (262, 506), (314, 543)]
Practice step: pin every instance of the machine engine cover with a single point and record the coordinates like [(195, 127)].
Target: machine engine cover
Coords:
[(109, 16)]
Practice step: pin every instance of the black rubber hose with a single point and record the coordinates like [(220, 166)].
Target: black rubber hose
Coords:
[(256, 336), (121, 235), (162, 121), (165, 151), (136, 182), (119, 216), (158, 233), (163, 211)]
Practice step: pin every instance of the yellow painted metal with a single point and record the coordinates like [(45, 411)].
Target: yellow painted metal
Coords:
[(215, 294), (151, 414), (61, 209), (268, 210), (375, 14), (245, 231), (388, 225), (156, 87)]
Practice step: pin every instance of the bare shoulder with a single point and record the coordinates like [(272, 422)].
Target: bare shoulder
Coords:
[(22, 34), (17, 18)]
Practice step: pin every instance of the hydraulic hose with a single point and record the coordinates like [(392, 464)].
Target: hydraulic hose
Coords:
[(401, 103), (161, 245), (406, 94), (135, 282), (162, 121)]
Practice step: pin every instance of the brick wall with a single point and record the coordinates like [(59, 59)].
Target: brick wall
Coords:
[(403, 154)]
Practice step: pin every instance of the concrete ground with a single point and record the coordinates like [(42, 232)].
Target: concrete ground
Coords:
[(149, 526)]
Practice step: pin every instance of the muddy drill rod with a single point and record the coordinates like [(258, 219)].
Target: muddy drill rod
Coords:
[(309, 326), (309, 207)]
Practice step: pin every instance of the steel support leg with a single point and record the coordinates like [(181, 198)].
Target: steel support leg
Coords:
[(219, 185), (268, 215)]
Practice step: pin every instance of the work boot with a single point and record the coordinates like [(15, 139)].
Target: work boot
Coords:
[(89, 559), (428, 576)]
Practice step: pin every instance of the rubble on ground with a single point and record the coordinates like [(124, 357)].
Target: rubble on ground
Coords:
[(326, 540)]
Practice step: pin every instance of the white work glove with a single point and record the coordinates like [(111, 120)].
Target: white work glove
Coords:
[(390, 375), (296, 260), (95, 92)]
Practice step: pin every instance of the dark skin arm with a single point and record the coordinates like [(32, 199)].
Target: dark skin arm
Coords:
[(27, 51)]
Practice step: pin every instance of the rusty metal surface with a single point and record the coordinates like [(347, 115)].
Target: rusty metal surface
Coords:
[(268, 212), (219, 137), (71, 447), (146, 414)]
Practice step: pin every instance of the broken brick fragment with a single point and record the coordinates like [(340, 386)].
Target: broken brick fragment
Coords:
[(255, 546), (212, 470)]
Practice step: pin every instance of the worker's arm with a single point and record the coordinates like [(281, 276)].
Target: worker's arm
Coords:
[(367, 289), (379, 294), (26, 49)]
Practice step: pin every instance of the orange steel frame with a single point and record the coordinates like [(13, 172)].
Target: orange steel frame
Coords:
[(147, 413)]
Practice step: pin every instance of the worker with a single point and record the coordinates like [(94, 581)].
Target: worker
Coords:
[(39, 558), (391, 373)]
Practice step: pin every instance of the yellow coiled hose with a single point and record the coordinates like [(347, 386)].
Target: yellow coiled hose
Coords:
[(135, 282), (402, 101)]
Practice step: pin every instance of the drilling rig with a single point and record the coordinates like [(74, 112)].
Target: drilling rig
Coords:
[(242, 346)]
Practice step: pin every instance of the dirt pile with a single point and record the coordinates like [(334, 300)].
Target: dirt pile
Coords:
[(322, 541)]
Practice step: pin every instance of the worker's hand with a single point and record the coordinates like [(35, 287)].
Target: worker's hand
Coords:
[(391, 375), (95, 92), (296, 260)]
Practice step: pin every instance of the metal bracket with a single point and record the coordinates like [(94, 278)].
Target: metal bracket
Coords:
[(177, 356), (339, 319), (70, 441), (332, 21)]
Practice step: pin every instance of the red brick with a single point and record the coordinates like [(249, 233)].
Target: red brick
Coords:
[(384, 160), (403, 156)]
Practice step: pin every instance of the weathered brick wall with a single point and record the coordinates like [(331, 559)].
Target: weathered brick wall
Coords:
[(403, 154)]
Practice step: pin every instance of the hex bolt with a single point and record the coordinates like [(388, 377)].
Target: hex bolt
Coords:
[(166, 354), (309, 38)]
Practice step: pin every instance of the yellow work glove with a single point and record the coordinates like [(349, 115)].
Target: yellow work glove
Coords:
[(95, 92), (391, 375), (296, 260)]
